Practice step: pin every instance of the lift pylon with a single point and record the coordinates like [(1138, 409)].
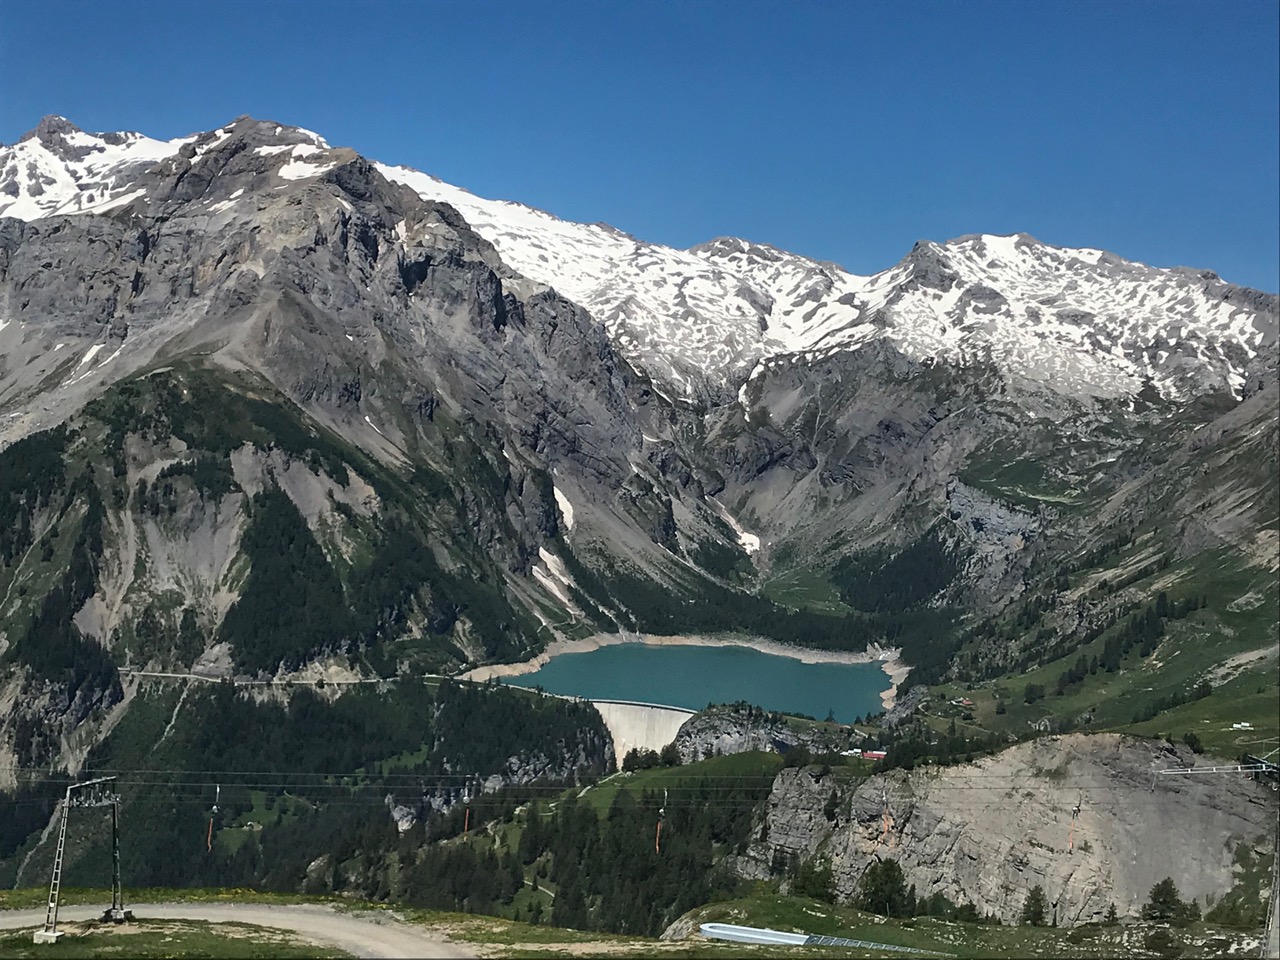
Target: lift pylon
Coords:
[(91, 793), (1071, 836), (886, 819)]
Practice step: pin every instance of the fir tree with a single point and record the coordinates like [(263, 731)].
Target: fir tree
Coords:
[(1033, 909)]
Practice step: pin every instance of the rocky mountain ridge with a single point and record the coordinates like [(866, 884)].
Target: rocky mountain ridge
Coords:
[(1081, 322), (1084, 323), (738, 728)]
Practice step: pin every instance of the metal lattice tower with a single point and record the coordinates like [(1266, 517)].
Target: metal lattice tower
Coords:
[(91, 793), (1259, 769)]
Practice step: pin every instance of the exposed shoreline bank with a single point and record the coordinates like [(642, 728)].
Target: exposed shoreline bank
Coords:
[(888, 658)]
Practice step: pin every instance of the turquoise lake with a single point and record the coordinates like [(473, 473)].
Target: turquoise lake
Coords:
[(692, 677)]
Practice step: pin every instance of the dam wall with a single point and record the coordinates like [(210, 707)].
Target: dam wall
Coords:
[(643, 726)]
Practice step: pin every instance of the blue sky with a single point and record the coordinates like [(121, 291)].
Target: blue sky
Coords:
[(841, 130)]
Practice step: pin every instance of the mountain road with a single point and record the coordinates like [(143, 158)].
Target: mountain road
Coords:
[(364, 934)]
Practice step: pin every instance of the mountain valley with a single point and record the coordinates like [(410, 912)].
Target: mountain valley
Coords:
[(290, 439)]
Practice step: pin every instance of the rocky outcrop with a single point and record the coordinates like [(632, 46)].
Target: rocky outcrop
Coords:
[(737, 728), (999, 535), (989, 831), (904, 706)]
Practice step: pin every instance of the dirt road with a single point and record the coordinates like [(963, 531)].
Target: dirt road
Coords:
[(365, 934)]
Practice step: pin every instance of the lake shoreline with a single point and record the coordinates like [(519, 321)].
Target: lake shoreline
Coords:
[(888, 657)]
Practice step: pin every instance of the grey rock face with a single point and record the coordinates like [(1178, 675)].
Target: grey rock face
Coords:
[(52, 131), (741, 728), (904, 705), (930, 267), (325, 260), (1000, 535), (989, 831)]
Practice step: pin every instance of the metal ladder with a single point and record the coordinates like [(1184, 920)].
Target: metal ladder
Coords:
[(51, 914)]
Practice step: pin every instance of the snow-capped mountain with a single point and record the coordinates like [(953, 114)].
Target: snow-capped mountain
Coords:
[(57, 169), (1082, 322), (1077, 322)]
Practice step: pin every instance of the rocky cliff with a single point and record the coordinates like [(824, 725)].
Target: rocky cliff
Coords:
[(989, 831), (738, 728)]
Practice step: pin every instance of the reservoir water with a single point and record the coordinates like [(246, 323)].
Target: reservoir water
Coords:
[(692, 677)]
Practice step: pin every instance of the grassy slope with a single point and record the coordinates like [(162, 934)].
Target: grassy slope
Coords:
[(512, 939), (1193, 649), (753, 767), (802, 589)]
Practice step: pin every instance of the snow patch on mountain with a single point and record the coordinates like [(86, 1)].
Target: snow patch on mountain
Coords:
[(1077, 321), (749, 542), (58, 169), (90, 354), (302, 167), (566, 508), (672, 313)]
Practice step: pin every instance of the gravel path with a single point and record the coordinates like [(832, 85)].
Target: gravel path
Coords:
[(365, 934)]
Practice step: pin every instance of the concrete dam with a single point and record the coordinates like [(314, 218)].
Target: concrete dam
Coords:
[(642, 726)]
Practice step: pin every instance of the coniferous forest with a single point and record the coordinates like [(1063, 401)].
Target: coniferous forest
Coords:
[(295, 780), (224, 791), (610, 870)]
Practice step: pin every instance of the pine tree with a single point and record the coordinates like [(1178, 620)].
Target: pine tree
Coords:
[(1033, 910), (1163, 903), (531, 839), (883, 890)]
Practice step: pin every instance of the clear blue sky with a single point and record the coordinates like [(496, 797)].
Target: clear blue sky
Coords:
[(841, 130)]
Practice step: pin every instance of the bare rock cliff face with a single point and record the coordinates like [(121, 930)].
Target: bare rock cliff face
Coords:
[(989, 831), (738, 728)]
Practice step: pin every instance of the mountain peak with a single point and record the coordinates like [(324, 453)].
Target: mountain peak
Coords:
[(932, 267), (50, 129), (1017, 239), (258, 132)]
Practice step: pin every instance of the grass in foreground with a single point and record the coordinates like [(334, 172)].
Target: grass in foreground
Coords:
[(507, 938), (164, 938)]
